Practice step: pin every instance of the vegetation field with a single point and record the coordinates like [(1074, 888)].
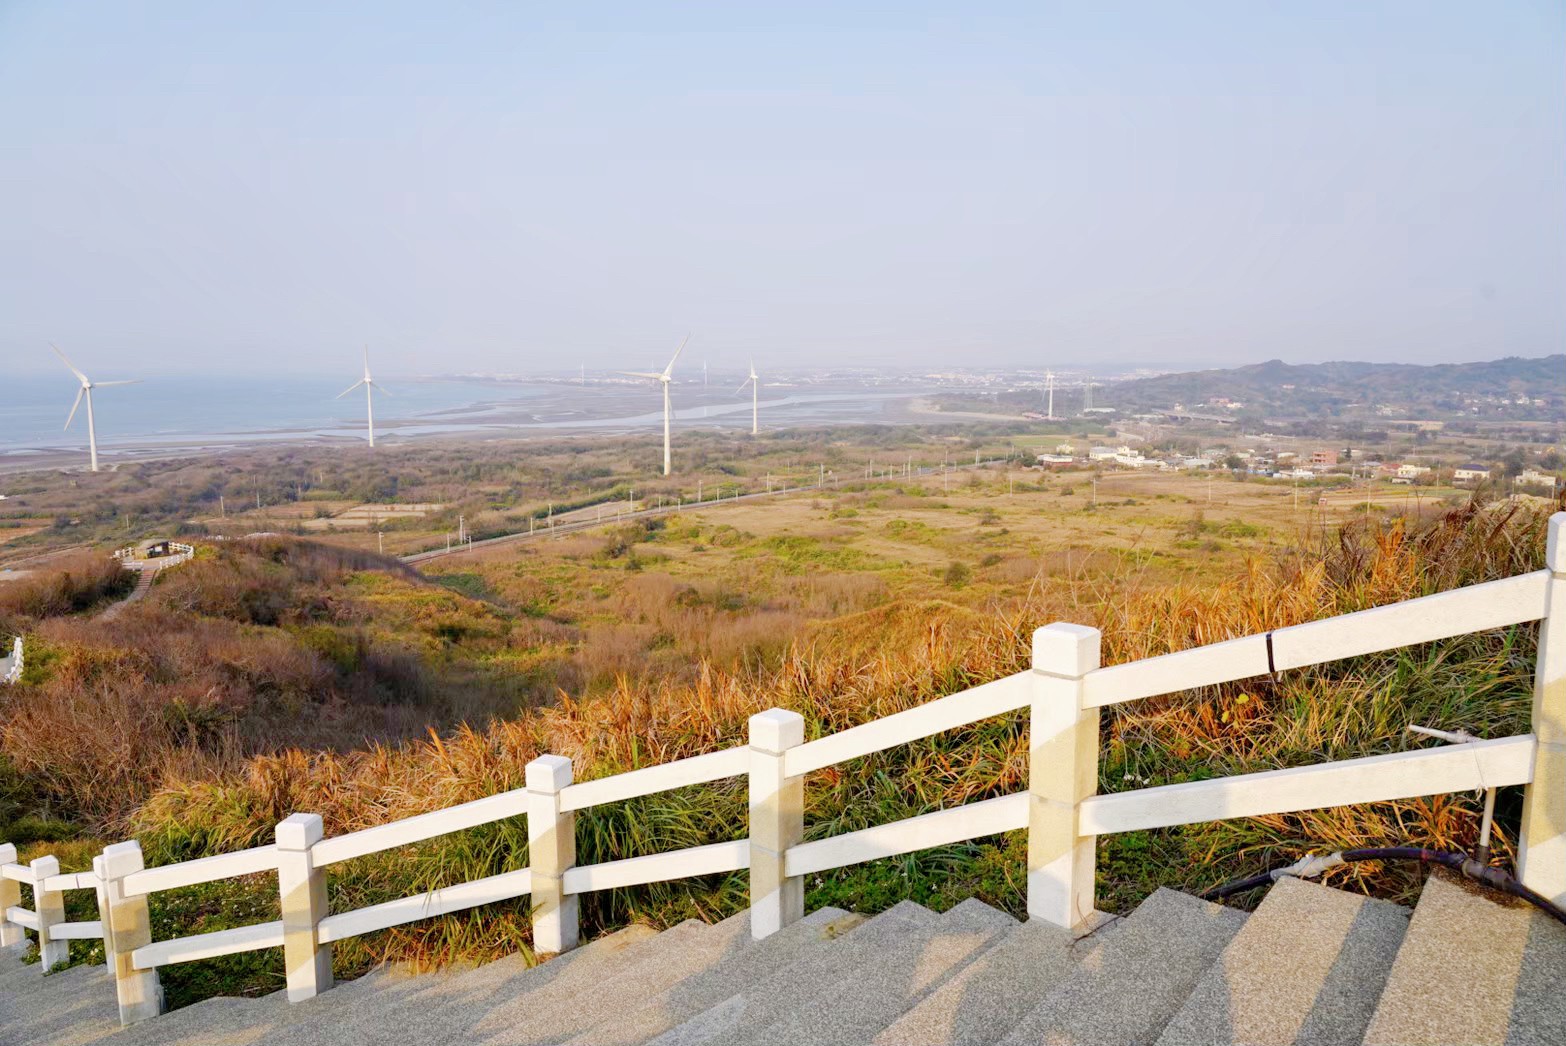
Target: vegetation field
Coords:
[(279, 674)]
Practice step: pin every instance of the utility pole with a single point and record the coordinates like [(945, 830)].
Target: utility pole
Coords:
[(821, 480)]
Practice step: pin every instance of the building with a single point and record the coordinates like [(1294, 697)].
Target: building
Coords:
[(1470, 474), (1534, 478), (1323, 458), (1412, 472)]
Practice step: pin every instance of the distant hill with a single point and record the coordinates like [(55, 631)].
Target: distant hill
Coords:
[(1275, 388)]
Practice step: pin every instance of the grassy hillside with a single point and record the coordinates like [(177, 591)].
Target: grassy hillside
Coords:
[(251, 671)]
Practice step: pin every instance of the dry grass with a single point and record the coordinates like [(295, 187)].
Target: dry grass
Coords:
[(872, 662)]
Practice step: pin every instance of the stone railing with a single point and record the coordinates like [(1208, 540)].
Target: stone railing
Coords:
[(1063, 692), (11, 664)]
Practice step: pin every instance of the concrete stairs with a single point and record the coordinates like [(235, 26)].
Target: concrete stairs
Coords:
[(1311, 966), (144, 579)]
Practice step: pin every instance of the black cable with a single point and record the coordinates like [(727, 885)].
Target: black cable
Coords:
[(1495, 878)]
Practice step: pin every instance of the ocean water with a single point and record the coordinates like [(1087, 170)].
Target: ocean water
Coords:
[(179, 409), (219, 411)]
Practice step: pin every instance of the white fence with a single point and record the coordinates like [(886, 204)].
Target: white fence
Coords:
[(179, 552), (11, 665), (1064, 689)]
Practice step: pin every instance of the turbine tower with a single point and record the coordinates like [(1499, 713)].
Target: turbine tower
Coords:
[(1049, 379), (86, 392), (755, 387), (369, 387), (665, 377)]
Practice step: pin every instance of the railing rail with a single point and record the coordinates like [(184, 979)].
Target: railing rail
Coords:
[(1062, 690)]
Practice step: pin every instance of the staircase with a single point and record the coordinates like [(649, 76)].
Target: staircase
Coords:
[(1311, 965)]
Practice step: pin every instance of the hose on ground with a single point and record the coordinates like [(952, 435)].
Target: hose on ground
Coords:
[(1495, 878)]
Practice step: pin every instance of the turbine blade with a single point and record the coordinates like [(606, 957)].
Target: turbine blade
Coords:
[(350, 388), (366, 363), (72, 417), (742, 385), (106, 384), (669, 370), (379, 388), (67, 362), (640, 374)]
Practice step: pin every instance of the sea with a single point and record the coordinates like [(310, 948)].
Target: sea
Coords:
[(192, 411), (184, 409)]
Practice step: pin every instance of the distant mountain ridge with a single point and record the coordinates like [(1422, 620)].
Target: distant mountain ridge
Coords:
[(1279, 387)]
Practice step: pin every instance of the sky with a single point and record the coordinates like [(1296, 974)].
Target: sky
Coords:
[(232, 188)]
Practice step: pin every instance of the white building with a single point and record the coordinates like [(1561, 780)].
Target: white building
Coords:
[(1470, 474)]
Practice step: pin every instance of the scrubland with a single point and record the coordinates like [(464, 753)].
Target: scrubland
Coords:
[(276, 676)]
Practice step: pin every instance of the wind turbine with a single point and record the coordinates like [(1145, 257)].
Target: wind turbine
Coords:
[(369, 387), (664, 377), (755, 386), (86, 391)]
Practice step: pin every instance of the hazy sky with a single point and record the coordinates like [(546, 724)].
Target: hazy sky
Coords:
[(520, 186)]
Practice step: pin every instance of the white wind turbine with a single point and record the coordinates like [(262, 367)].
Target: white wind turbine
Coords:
[(369, 387), (86, 392), (755, 386), (664, 377)]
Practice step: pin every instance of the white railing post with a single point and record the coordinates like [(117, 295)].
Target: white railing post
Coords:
[(551, 848), (50, 908), (128, 926), (102, 896), (10, 897), (1062, 772), (1541, 845), (307, 963), (777, 822)]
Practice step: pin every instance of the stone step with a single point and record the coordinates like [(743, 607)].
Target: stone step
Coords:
[(1126, 990), (1306, 970), (984, 1000), (759, 963), (677, 953), (745, 1012), (448, 1008), (852, 1010), (1475, 968), (73, 1005)]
